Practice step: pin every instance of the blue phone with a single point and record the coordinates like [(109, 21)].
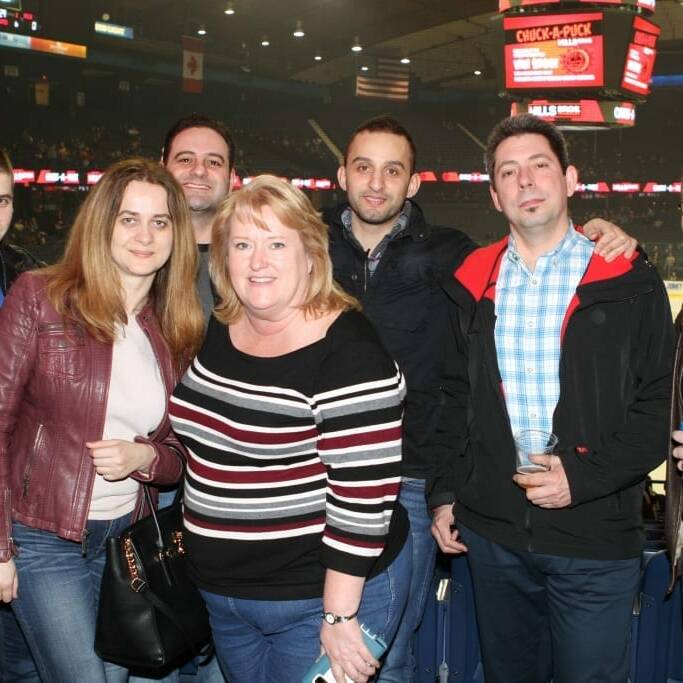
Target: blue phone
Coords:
[(320, 672)]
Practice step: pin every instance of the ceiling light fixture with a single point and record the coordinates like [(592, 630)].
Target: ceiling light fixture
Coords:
[(201, 31), (477, 72), (229, 9), (318, 57), (298, 31), (364, 68), (356, 47), (405, 60), (265, 42)]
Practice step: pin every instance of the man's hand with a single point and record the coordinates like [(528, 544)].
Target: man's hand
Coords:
[(548, 489), (677, 436), (612, 240), (444, 531)]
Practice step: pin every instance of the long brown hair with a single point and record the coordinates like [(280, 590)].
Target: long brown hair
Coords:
[(293, 209), (85, 286)]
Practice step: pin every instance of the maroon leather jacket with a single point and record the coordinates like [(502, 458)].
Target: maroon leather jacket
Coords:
[(54, 379)]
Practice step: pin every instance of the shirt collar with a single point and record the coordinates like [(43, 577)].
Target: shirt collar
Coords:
[(401, 222), (563, 248)]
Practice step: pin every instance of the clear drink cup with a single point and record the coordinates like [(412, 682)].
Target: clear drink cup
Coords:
[(533, 442)]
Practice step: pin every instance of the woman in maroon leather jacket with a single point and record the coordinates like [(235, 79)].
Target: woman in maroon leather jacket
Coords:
[(90, 350)]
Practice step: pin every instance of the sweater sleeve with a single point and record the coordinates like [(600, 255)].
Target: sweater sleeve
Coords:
[(358, 410)]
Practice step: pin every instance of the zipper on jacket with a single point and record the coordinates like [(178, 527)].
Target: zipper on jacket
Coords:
[(29, 464), (365, 270)]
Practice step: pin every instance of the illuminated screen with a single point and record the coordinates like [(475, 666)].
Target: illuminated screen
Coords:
[(580, 112), (554, 51), (505, 5), (640, 58)]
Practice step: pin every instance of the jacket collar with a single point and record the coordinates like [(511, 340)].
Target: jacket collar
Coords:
[(478, 273), (417, 227)]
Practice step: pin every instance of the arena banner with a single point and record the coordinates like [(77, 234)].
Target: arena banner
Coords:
[(193, 65)]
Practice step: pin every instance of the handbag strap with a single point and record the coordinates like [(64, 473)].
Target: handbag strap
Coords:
[(159, 604), (159, 542)]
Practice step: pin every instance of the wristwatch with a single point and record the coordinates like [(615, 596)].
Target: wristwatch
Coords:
[(331, 618)]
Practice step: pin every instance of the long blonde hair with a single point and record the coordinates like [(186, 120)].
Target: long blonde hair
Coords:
[(85, 286), (293, 209)]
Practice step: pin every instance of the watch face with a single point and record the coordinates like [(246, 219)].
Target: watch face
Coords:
[(329, 617)]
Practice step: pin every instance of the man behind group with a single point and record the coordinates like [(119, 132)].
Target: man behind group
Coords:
[(388, 256), (200, 152), (554, 338)]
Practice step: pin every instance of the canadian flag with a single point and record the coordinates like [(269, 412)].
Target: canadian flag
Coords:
[(193, 64)]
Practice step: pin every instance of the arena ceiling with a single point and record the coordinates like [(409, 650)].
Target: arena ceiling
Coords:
[(445, 40)]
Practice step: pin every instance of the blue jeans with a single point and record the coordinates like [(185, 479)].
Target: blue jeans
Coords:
[(59, 590), (277, 641), (16, 662), (399, 664), (545, 617), (205, 673)]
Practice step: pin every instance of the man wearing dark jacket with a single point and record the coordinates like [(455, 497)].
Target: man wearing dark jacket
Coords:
[(13, 260), (387, 255), (553, 337), (16, 662)]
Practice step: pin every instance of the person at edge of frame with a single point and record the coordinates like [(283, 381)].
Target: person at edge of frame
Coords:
[(552, 337)]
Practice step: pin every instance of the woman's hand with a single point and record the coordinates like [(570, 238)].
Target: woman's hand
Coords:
[(344, 645), (115, 460), (9, 582)]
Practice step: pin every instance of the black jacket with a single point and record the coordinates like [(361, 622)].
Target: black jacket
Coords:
[(14, 261), (611, 418), (405, 302)]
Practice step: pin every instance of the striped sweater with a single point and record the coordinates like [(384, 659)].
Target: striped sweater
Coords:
[(294, 462)]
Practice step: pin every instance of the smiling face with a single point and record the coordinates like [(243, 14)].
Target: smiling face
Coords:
[(142, 237), (377, 178), (199, 160), (6, 203), (269, 269), (530, 188)]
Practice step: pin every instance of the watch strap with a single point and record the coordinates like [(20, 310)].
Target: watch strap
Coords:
[(332, 618)]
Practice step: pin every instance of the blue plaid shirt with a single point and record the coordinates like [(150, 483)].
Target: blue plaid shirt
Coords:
[(530, 309)]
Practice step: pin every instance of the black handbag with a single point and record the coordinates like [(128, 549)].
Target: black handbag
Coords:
[(150, 613)]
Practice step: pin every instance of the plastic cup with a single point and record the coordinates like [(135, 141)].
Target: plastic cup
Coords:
[(533, 442)]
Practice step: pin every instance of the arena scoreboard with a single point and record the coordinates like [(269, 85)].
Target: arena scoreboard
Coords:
[(554, 51), (579, 62), (16, 20), (505, 5)]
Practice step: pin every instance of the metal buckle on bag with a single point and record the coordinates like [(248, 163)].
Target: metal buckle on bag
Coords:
[(136, 583), (177, 537)]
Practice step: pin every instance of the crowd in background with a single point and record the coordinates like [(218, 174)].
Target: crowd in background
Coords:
[(283, 141)]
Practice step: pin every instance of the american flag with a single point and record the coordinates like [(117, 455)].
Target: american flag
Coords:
[(390, 81)]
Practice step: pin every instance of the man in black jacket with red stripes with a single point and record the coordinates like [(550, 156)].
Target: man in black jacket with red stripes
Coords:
[(553, 337)]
